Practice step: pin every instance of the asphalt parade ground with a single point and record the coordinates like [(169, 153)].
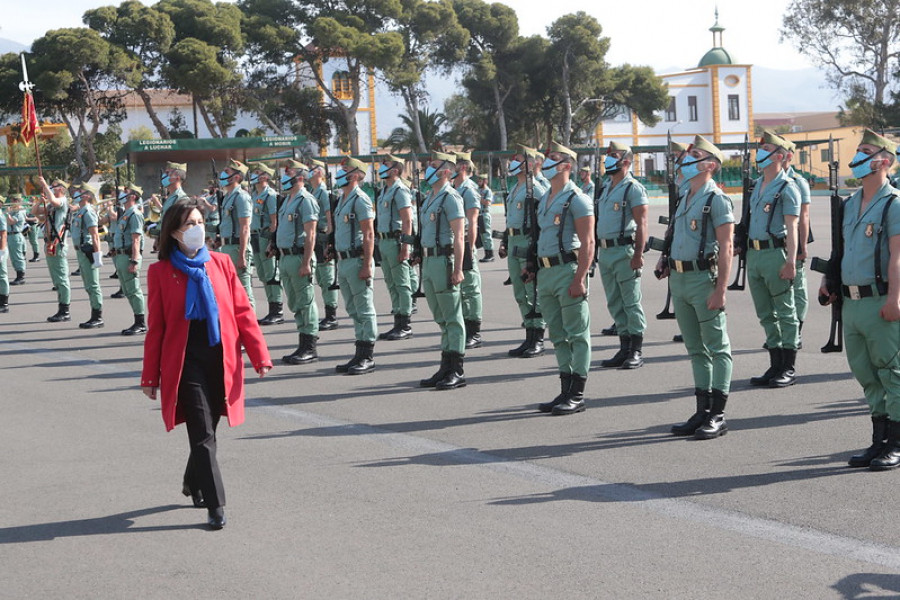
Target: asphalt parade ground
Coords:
[(369, 487)]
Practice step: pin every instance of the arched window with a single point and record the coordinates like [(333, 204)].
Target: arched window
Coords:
[(340, 85)]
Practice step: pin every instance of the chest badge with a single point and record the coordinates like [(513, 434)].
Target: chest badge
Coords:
[(767, 208), (870, 229), (615, 206), (431, 217), (556, 219), (290, 218), (693, 224), (346, 218), (518, 206), (384, 204)]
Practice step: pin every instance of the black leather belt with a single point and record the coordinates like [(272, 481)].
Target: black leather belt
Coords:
[(766, 244), (439, 251), (14, 232), (514, 231), (558, 259), (855, 292), (293, 251), (350, 254), (613, 242), (686, 266), (393, 235), (231, 240)]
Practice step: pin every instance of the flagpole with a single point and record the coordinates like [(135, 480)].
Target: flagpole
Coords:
[(26, 86)]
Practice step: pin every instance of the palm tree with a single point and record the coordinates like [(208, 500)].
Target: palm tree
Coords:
[(404, 138)]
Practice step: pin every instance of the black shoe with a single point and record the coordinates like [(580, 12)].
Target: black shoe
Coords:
[(401, 330), (634, 358), (196, 496), (787, 376), (714, 425), (879, 440), (440, 374), (35, 258), (415, 308), (115, 275), (678, 338), (4, 303), (455, 377), (275, 316), (610, 331), (690, 426), (473, 334), (536, 348), (488, 256), (216, 519), (518, 350), (565, 384), (75, 273), (20, 278), (890, 455), (508, 281), (619, 357), (574, 402), (305, 352), (96, 320), (62, 314), (365, 363), (118, 294), (773, 370), (139, 326), (330, 320)]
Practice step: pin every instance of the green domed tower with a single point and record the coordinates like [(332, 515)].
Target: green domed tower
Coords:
[(717, 55)]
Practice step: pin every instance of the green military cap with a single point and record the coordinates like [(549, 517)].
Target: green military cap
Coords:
[(791, 146), (313, 163), (15, 198), (677, 148), (290, 163), (873, 139), (618, 147), (59, 182), (353, 164), (701, 143), (263, 168), (586, 169), (396, 159), (450, 158), (557, 147), (526, 151), (86, 187), (770, 137), (463, 156), (538, 155), (236, 165), (136, 189), (177, 166)]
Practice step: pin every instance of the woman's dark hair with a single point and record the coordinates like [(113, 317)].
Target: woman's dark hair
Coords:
[(171, 222)]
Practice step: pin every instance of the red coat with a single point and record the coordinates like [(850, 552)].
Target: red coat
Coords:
[(167, 334)]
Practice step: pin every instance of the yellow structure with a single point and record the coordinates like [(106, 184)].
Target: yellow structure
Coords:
[(814, 159)]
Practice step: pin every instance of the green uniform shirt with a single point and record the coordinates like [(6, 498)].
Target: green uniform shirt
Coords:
[(56, 219), (392, 200), (212, 217), (323, 198), (439, 208), (265, 204), (613, 207), (516, 207), (802, 186), (764, 209), (688, 221), (19, 216), (588, 189), (235, 205), (550, 219), (468, 190), (350, 211), (487, 196), (295, 212), (178, 194), (131, 222), (861, 235), (3, 225), (83, 219)]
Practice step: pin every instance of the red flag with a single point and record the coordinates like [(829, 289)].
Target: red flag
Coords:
[(30, 126)]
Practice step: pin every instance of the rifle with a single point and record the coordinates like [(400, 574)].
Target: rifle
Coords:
[(329, 243), (831, 268), (742, 229), (531, 262), (667, 312), (416, 239)]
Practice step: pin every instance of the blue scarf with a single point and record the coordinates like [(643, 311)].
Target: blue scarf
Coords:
[(199, 300)]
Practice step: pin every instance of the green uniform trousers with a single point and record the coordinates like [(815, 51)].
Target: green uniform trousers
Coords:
[(245, 274), (33, 238), (359, 299), (873, 352), (622, 286), (801, 295), (130, 282), (396, 277), (325, 272), (4, 276), (91, 279), (414, 277), (445, 302), (773, 297), (267, 270), (301, 293), (471, 293), (524, 293), (59, 273), (16, 243), (487, 241), (704, 331), (568, 319)]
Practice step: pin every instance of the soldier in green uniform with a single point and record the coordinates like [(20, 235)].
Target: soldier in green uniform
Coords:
[(698, 262), (128, 244), (471, 286), (354, 244), (263, 225), (296, 239), (565, 251), (234, 226), (443, 245), (486, 222), (870, 273), (4, 252), (394, 218), (86, 240), (801, 295), (514, 247), (326, 275), (173, 178), (772, 260), (586, 182), (33, 222), (621, 236), (15, 219), (211, 218), (539, 175), (56, 229)]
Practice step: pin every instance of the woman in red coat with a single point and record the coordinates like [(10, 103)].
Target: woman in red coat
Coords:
[(199, 317)]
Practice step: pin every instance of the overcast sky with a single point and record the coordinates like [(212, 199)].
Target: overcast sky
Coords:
[(658, 33)]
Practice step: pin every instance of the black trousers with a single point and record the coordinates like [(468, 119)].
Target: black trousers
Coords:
[(201, 396)]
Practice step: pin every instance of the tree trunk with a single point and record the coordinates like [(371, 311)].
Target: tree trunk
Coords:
[(566, 133), (76, 142), (410, 96), (501, 114), (160, 127), (209, 124)]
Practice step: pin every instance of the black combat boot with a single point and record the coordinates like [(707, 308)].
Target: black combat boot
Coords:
[(96, 320), (773, 371), (619, 357), (441, 372), (488, 256), (305, 352), (698, 418), (62, 314), (366, 362), (35, 258), (330, 320), (383, 336), (20, 278), (118, 294), (473, 334), (610, 331), (890, 454), (525, 345), (634, 358), (786, 377), (344, 368), (4, 303), (574, 401), (115, 275), (714, 425), (139, 326), (879, 438), (537, 344), (565, 384), (275, 315), (455, 377), (401, 330)]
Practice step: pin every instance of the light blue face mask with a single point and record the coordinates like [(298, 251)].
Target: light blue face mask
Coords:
[(340, 178), (612, 164), (549, 168), (76, 196), (689, 170), (515, 167), (383, 171), (223, 178), (431, 173), (763, 159), (254, 178), (165, 180), (287, 182), (860, 165), (123, 196)]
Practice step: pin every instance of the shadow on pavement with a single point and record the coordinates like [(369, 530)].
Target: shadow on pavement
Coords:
[(871, 586)]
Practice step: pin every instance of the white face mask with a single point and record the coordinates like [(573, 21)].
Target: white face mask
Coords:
[(193, 238)]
